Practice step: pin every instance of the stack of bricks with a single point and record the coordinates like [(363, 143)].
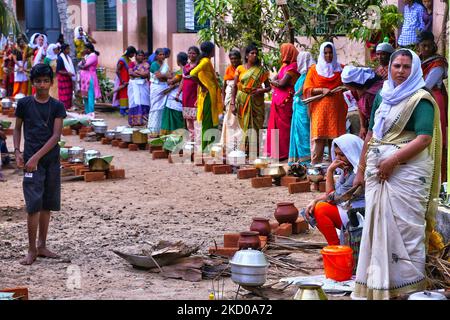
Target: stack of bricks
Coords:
[(231, 245), (89, 176), (287, 229), (247, 173), (83, 131)]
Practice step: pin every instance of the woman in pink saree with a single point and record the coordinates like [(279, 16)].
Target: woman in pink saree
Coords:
[(90, 89), (277, 144)]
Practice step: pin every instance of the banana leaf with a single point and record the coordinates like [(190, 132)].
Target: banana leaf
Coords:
[(108, 158), (69, 122), (171, 141)]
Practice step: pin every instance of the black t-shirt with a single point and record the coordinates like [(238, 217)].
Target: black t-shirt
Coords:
[(38, 122)]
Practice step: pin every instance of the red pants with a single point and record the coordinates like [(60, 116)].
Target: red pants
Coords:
[(328, 219)]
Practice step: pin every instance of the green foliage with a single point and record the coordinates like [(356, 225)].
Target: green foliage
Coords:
[(391, 19), (8, 21), (106, 85), (236, 23)]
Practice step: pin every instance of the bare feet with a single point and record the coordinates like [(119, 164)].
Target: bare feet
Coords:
[(29, 259), (45, 253)]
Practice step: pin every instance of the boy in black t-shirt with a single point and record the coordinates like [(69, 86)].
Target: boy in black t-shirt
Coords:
[(42, 119)]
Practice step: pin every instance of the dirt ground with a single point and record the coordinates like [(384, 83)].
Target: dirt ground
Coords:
[(156, 201)]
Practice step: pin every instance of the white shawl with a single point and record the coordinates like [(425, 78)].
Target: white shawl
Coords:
[(304, 61), (68, 64), (393, 95)]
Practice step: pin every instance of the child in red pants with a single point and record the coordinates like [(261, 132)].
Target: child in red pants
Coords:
[(346, 151)]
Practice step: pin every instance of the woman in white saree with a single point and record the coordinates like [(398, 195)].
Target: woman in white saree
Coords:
[(401, 177)]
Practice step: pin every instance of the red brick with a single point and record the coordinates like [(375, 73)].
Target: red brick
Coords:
[(66, 131), (154, 148), (106, 141), (123, 145), (300, 226), (222, 169), (160, 154), (86, 129), (133, 147), (82, 135), (289, 179), (198, 160), (81, 171), (261, 182), (230, 240), (322, 186), (115, 143), (285, 230), (247, 173), (5, 112), (116, 174), (226, 252), (94, 176), (298, 187), (9, 131), (274, 224), (12, 113), (263, 241)]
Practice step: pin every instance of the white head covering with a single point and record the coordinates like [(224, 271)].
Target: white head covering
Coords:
[(393, 95), (33, 45), (351, 145), (325, 69), (386, 47), (51, 55), (77, 34), (304, 61), (41, 53), (356, 74)]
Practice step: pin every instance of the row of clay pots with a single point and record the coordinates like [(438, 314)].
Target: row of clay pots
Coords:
[(286, 212)]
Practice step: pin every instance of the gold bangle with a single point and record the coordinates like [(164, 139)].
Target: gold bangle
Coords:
[(360, 167), (396, 157)]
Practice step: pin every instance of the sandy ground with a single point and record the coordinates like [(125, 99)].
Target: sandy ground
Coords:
[(156, 201)]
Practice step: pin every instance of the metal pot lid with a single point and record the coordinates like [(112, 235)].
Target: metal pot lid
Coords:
[(76, 149), (249, 258), (120, 128), (92, 152), (427, 295), (6, 100)]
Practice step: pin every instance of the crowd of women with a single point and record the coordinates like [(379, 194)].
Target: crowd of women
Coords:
[(394, 150)]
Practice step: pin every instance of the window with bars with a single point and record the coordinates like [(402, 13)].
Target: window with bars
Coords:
[(106, 15), (322, 26), (186, 18)]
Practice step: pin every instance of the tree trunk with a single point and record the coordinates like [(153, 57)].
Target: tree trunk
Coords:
[(445, 29), (64, 18), (290, 28), (8, 20)]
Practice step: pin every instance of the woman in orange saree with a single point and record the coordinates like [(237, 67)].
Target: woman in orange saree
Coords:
[(328, 115)]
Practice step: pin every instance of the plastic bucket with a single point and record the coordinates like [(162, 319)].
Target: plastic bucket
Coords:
[(338, 262)]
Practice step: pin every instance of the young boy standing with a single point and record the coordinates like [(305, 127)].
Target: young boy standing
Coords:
[(42, 119)]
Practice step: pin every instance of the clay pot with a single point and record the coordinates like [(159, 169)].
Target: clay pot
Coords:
[(261, 225), (249, 239), (286, 212)]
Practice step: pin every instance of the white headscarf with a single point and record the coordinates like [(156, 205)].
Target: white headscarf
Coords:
[(393, 95), (41, 52), (356, 74), (304, 61), (51, 55), (325, 69), (351, 145), (77, 35)]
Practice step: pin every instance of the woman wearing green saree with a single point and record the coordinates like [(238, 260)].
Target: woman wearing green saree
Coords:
[(248, 94)]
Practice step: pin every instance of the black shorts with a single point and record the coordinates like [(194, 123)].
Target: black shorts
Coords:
[(42, 188)]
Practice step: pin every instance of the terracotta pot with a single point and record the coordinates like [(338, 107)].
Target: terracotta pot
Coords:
[(286, 212), (261, 225), (249, 239)]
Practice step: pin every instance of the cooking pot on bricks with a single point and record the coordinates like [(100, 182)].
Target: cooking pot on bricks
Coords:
[(76, 155), (249, 267), (110, 134), (236, 157), (126, 135), (6, 104), (100, 126), (140, 136), (90, 154)]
